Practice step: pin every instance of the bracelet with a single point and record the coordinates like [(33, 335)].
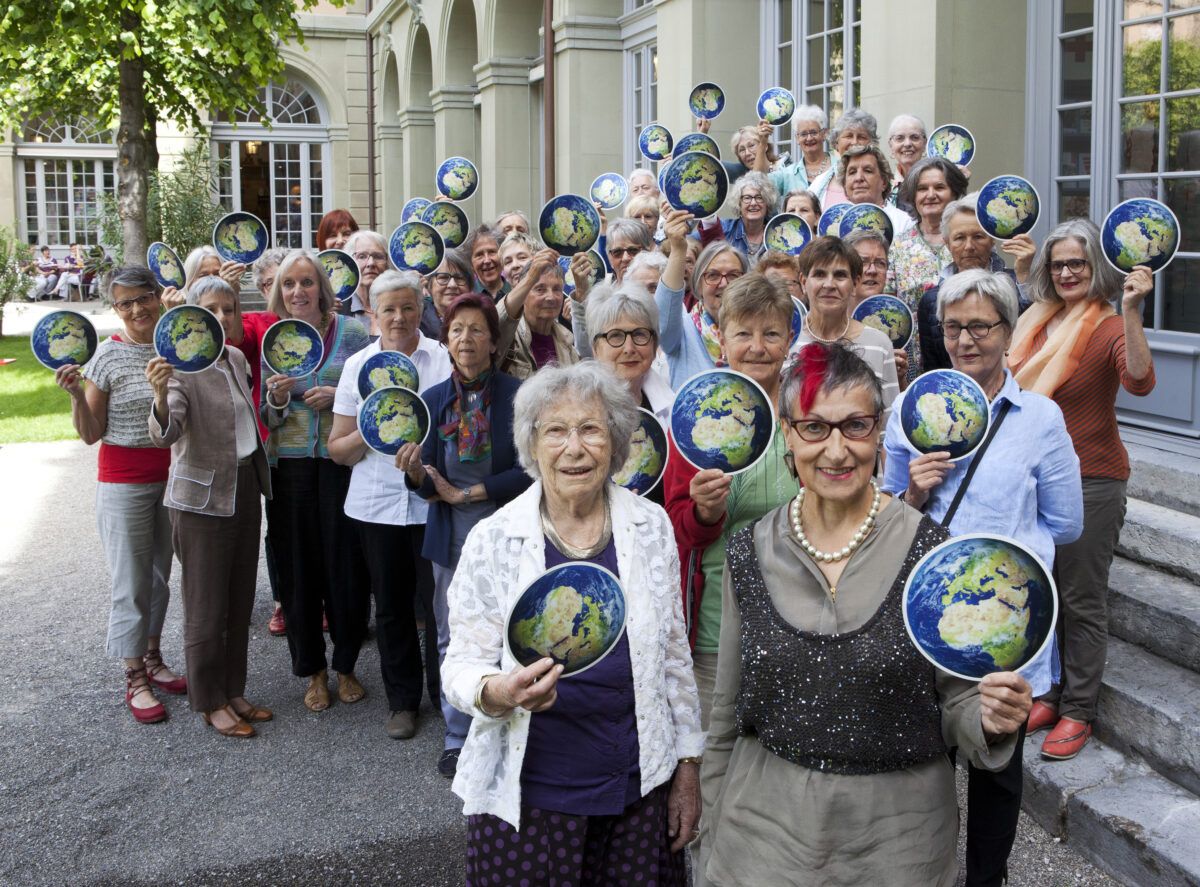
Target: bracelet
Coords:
[(694, 759), (479, 695)]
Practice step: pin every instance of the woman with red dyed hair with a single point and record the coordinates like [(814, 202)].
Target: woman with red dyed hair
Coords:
[(335, 229)]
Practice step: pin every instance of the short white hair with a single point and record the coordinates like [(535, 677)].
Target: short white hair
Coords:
[(965, 205), (811, 112), (650, 258), (994, 285), (906, 120)]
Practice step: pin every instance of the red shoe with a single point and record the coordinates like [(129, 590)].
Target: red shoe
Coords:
[(155, 667), (324, 623), (1042, 716), (137, 682), (277, 626), (1066, 740)]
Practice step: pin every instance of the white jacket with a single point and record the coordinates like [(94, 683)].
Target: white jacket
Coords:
[(502, 555)]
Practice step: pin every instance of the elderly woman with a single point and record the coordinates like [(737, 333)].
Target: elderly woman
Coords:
[(791, 784), (872, 249), (623, 325), (752, 199), (624, 240), (370, 252), (452, 279), (511, 221), (515, 253), (316, 546), (906, 142), (783, 268), (130, 515), (864, 174), (482, 248), (335, 229), (804, 204), (1028, 493), (1073, 346), (855, 128), (203, 261), (219, 472), (689, 338), (645, 209), (530, 335), (750, 142), (642, 183), (814, 169), (554, 769), (467, 469)]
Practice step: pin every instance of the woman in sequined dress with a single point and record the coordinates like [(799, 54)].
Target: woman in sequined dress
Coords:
[(826, 755)]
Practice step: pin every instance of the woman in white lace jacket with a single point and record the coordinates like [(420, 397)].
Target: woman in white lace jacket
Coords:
[(608, 755)]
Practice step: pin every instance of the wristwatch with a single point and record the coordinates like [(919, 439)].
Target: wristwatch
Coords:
[(466, 492)]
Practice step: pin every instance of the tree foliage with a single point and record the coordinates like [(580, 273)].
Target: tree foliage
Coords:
[(1142, 75)]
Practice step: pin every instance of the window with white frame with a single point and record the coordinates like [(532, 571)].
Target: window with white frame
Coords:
[(64, 166), (639, 40)]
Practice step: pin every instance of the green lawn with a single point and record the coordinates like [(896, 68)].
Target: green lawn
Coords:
[(32, 407)]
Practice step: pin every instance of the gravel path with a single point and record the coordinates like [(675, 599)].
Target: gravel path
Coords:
[(88, 797)]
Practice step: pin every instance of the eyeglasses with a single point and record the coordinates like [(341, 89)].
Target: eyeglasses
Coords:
[(1075, 266), (817, 430), (445, 278), (752, 198), (617, 251), (126, 305), (809, 134), (616, 338), (976, 329), (556, 434), (378, 258), (712, 278), (874, 263)]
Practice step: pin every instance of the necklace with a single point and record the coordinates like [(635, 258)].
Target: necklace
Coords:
[(836, 338), (830, 557), (571, 551)]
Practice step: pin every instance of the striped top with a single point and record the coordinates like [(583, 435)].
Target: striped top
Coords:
[(118, 368), (1088, 399), (876, 349)]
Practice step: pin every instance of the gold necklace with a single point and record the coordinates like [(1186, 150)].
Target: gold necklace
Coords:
[(574, 552)]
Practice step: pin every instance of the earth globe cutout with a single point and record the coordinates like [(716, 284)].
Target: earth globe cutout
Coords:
[(240, 237), (696, 182), (945, 411), (165, 265), (1140, 231), (412, 209), (342, 271), (831, 218), (450, 222), (569, 224), (979, 604), (596, 270), (189, 338), (787, 233), (62, 338), (799, 315), (648, 454), (776, 105), (697, 141), (866, 217), (573, 613), (1007, 206), (889, 315), (609, 189), (706, 101), (457, 178), (655, 142), (416, 246), (291, 347), (391, 417), (952, 142), (387, 369), (722, 419)]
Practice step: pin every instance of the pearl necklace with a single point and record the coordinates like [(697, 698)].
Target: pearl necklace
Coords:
[(836, 338), (829, 557)]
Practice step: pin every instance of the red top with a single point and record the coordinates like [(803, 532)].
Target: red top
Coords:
[(1087, 401), (132, 465), (253, 327)]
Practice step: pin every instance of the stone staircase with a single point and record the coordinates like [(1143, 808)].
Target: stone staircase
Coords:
[(1130, 802)]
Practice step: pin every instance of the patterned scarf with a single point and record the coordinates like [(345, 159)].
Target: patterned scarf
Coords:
[(470, 426), (708, 332)]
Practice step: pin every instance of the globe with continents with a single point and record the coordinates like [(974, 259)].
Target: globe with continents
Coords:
[(697, 141), (62, 338), (721, 419), (889, 315), (655, 142), (610, 190), (292, 348), (413, 208), (707, 100), (241, 238), (831, 219), (696, 182), (391, 417), (944, 411), (1140, 231), (416, 246), (189, 338), (955, 143), (1007, 206), (788, 233), (569, 224), (574, 613), (457, 178), (342, 272), (448, 220), (165, 264), (647, 456), (979, 604), (387, 369), (865, 217), (776, 105)]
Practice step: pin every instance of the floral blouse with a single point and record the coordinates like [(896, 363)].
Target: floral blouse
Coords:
[(914, 267)]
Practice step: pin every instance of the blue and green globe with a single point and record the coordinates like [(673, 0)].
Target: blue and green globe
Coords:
[(596, 273), (62, 338), (569, 224), (292, 347), (189, 337), (776, 105), (573, 613), (889, 315), (979, 604), (164, 263), (722, 419), (387, 369), (697, 141), (412, 209), (865, 217), (609, 189), (1007, 206), (240, 237), (706, 100), (457, 178), (831, 219), (787, 233), (655, 142), (952, 142), (944, 411), (1141, 231), (695, 182), (389, 418), (342, 271), (416, 246), (449, 220), (799, 314), (648, 452)]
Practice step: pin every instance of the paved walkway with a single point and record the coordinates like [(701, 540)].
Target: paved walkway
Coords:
[(21, 316), (88, 797)]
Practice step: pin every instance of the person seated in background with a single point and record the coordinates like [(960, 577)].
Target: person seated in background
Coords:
[(47, 275), (782, 268), (452, 279), (70, 274), (512, 220), (515, 252), (805, 204)]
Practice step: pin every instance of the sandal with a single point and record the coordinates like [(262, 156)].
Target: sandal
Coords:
[(316, 697), (349, 689), (251, 713), (137, 682), (239, 729), (155, 666)]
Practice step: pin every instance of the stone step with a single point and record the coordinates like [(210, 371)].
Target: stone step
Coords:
[(1162, 537), (1168, 479), (1156, 611), (1117, 812), (1151, 708)]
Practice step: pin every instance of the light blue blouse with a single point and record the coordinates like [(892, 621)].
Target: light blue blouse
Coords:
[(678, 337)]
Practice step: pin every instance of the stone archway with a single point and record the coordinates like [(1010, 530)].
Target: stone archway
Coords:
[(416, 121)]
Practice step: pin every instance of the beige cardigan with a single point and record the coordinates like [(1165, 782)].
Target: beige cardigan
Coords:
[(515, 336)]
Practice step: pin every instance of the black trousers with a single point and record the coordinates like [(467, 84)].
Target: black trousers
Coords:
[(319, 562), (398, 576), (993, 806)]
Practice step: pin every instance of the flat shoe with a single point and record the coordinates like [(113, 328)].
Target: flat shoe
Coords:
[(255, 714), (316, 697), (349, 689), (448, 762), (1042, 716), (1066, 740), (402, 725), (239, 730)]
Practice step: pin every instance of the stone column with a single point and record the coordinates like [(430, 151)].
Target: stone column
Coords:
[(454, 134), (508, 163), (417, 150), (390, 172), (589, 100)]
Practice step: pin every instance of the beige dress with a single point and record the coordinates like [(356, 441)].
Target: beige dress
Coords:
[(769, 821)]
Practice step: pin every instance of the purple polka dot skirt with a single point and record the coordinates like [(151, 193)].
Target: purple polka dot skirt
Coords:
[(560, 850)]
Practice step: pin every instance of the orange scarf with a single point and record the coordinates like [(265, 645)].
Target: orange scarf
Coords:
[(1042, 370)]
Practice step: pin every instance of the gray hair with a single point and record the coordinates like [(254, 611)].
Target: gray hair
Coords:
[(606, 305), (363, 234), (268, 260), (955, 181), (814, 113), (325, 297), (855, 118), (901, 119), (862, 235), (191, 265), (965, 205), (132, 277), (461, 264), (872, 150), (641, 171), (996, 286), (841, 368), (632, 230), (753, 179), (1106, 280), (512, 212), (520, 238), (710, 253), (391, 281), (589, 380), (213, 284), (652, 259)]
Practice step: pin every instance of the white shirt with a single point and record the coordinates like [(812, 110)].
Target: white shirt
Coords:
[(245, 426), (378, 494)]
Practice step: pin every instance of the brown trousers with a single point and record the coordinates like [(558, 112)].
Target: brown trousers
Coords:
[(220, 570)]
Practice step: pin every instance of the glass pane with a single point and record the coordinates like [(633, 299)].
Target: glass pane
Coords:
[(816, 16), (1183, 134), (857, 10), (1075, 130), (1076, 14), (836, 13), (1184, 4), (1076, 55), (816, 96), (816, 60), (1142, 8), (1074, 200), (785, 67), (1139, 137), (1141, 60), (1183, 53), (31, 205), (856, 38), (837, 58), (1181, 311), (785, 20), (1131, 188), (837, 100), (1183, 196)]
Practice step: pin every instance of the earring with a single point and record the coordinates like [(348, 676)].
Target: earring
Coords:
[(790, 461)]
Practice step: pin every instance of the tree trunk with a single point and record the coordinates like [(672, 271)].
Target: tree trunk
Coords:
[(131, 152), (152, 157)]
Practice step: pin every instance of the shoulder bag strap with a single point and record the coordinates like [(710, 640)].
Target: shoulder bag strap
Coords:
[(962, 488)]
